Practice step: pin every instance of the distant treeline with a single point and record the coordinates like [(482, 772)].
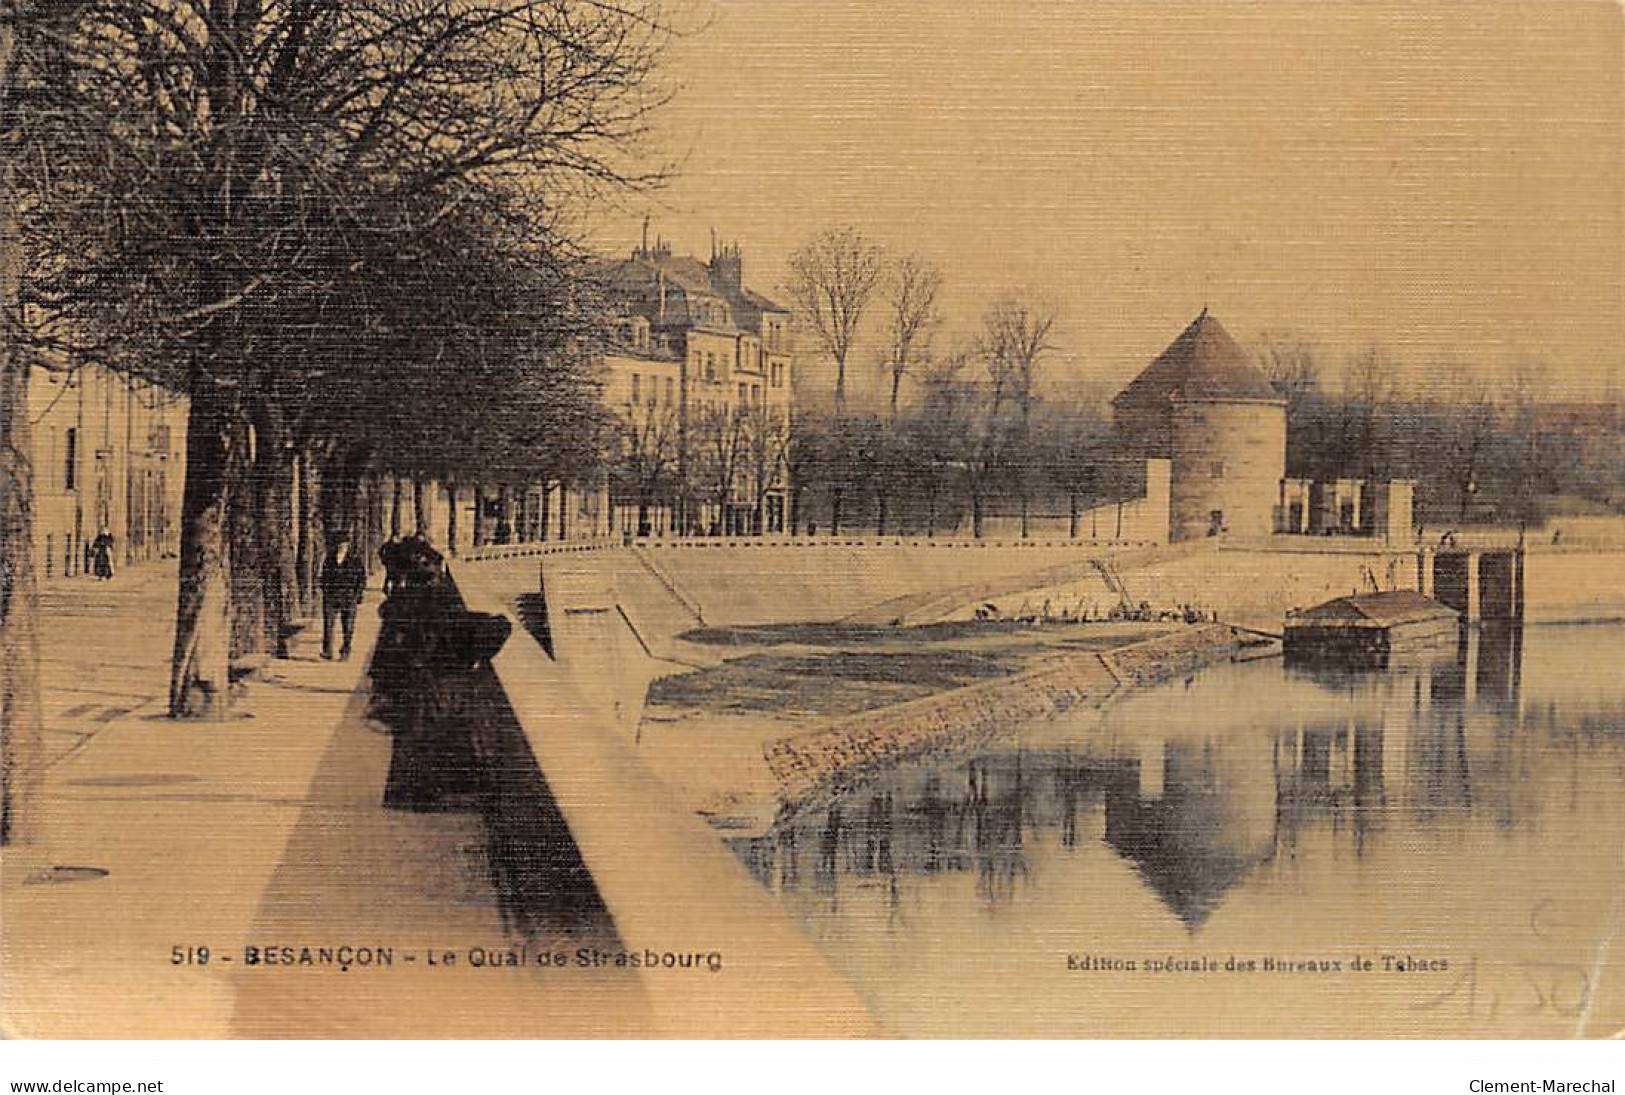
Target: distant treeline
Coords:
[(1505, 461), (941, 463)]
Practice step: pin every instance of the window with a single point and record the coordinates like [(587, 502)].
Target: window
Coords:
[(636, 381), (1218, 469), (670, 397), (743, 394), (755, 393), (710, 366)]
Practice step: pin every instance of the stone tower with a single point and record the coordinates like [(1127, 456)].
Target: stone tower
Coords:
[(1205, 406)]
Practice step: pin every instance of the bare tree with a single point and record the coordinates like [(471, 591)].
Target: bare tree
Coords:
[(200, 177), (1292, 362), (942, 428), (721, 447), (833, 276), (646, 437), (1015, 338), (990, 441), (1369, 388), (911, 294), (767, 451), (21, 727), (1470, 400)]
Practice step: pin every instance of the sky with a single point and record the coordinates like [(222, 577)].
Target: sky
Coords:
[(1442, 179)]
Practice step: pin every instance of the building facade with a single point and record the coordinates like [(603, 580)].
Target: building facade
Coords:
[(109, 456), (698, 376)]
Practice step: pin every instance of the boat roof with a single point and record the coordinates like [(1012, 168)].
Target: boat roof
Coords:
[(1391, 607)]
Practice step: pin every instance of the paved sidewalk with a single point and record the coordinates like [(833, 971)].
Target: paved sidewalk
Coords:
[(264, 830)]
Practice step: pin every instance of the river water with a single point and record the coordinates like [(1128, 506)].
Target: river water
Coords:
[(1430, 850)]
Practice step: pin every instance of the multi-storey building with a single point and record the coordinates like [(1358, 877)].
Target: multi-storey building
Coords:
[(699, 377), (109, 456)]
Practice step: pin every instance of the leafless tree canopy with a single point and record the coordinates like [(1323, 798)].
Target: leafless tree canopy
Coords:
[(833, 277), (335, 221), (185, 163), (1015, 337), (911, 293), (1291, 361)]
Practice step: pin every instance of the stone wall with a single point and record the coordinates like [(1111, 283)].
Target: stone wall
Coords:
[(1228, 458), (1573, 586), (967, 717), (1256, 583)]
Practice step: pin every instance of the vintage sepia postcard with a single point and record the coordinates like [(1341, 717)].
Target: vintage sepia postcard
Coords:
[(739, 519)]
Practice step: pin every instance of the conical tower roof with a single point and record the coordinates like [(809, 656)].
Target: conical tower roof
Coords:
[(1204, 362)]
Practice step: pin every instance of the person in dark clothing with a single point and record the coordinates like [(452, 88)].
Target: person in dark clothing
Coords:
[(343, 579), (390, 553), (417, 542), (101, 550), (437, 645)]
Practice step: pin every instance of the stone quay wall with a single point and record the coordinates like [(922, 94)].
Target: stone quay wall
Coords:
[(965, 718), (1156, 660)]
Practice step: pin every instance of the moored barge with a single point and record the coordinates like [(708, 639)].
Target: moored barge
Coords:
[(1369, 628)]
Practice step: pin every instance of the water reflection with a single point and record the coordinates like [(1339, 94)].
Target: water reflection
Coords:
[(1201, 790)]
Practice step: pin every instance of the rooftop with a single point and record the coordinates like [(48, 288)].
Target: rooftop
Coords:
[(681, 290), (1204, 362), (1391, 607)]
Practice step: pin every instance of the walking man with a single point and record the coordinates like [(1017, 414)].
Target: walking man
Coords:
[(343, 579)]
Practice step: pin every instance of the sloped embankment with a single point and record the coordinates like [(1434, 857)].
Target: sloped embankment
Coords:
[(845, 750)]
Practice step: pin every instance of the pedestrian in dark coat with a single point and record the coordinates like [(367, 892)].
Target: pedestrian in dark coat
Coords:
[(390, 553), (101, 550), (343, 579)]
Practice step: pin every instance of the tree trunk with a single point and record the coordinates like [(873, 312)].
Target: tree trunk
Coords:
[(976, 511), (199, 682), (837, 493), (247, 548), (377, 514), (22, 726), (1072, 514), (344, 501), (308, 549), (1024, 468), (451, 519), (395, 501), (279, 563), (420, 496), (22, 730)]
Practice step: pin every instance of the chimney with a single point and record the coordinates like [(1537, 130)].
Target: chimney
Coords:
[(728, 269)]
